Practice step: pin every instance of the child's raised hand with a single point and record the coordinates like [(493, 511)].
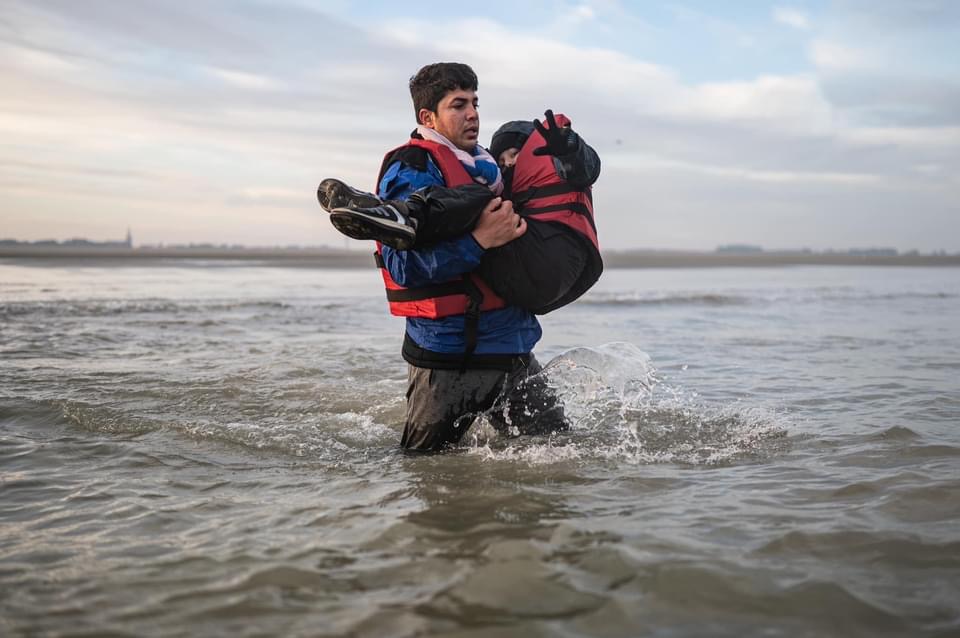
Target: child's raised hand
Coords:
[(560, 141)]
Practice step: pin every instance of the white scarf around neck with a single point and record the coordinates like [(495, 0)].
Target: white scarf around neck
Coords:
[(481, 166)]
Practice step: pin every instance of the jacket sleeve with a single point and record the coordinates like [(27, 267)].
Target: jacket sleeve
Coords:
[(440, 262), (581, 168)]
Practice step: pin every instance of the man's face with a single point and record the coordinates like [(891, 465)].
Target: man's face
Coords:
[(457, 118)]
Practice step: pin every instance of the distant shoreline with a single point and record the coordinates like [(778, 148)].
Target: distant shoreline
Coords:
[(308, 257), (338, 258), (669, 259)]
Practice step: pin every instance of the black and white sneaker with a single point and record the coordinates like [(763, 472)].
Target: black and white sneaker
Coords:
[(385, 223), (332, 193)]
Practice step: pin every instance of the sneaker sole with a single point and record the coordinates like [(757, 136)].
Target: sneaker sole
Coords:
[(332, 194), (393, 234)]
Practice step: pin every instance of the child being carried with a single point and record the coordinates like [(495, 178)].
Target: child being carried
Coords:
[(548, 172)]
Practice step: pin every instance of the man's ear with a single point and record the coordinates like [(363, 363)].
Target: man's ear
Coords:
[(427, 118)]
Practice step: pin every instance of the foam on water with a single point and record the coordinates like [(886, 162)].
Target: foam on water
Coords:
[(620, 410)]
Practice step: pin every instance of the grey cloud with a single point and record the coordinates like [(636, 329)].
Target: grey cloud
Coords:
[(165, 54), (900, 14), (145, 23), (274, 40), (908, 74), (896, 99), (729, 144)]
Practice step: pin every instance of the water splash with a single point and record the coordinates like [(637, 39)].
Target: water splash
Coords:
[(621, 410)]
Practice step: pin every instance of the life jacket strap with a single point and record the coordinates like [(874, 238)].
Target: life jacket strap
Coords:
[(575, 207), (427, 292), (550, 190), (471, 318)]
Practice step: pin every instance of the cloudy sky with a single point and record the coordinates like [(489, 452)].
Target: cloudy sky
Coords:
[(799, 124)]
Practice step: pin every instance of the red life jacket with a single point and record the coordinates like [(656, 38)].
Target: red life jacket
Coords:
[(540, 193), (450, 297)]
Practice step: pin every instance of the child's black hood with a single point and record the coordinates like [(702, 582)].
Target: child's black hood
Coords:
[(510, 135)]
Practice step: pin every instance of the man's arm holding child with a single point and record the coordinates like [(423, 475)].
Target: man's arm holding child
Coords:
[(498, 224)]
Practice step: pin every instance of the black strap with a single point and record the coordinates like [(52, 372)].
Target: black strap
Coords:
[(575, 207), (419, 293), (427, 292), (471, 318), (520, 200), (423, 358), (550, 190)]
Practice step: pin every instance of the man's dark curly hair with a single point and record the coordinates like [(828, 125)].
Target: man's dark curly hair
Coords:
[(434, 81)]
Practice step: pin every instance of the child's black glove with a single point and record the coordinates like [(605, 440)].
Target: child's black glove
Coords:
[(560, 141)]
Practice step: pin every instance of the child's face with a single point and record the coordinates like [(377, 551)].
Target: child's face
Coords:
[(508, 158)]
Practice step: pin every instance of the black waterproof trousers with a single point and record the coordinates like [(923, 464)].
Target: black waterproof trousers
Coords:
[(443, 404)]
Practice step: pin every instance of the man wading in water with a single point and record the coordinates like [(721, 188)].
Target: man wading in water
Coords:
[(467, 350)]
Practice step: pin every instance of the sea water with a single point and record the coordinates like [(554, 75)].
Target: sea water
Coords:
[(210, 448)]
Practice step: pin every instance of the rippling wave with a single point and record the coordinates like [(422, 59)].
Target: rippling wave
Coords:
[(743, 298)]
